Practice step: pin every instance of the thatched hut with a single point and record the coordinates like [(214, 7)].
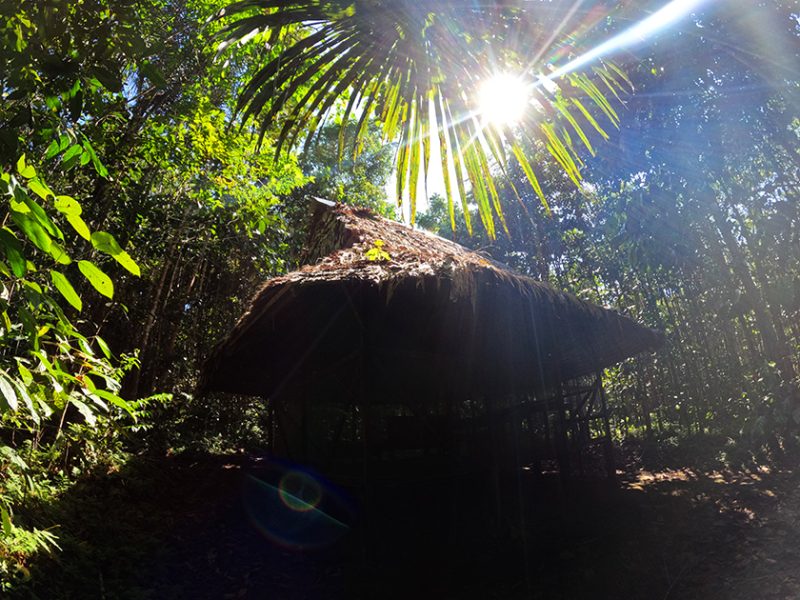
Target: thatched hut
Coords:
[(395, 346)]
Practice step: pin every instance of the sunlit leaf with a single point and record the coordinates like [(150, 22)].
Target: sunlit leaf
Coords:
[(40, 189), (125, 260), (103, 346), (25, 170), (8, 394), (8, 527), (22, 394), (59, 254), (88, 413), (13, 250), (80, 226), (105, 242), (115, 400), (42, 218), (67, 205), (99, 280), (33, 230), (66, 290), (74, 151)]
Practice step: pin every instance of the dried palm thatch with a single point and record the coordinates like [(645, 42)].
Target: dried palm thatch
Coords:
[(398, 313)]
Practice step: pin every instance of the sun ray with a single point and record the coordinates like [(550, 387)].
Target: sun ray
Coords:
[(662, 18)]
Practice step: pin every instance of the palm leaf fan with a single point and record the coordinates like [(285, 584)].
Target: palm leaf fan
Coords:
[(417, 66)]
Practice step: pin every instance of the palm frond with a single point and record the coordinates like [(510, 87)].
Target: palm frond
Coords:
[(416, 66)]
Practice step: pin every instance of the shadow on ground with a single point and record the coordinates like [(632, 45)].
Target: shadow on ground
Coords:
[(187, 528)]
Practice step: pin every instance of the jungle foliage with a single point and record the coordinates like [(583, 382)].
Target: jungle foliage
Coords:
[(690, 225), (139, 215)]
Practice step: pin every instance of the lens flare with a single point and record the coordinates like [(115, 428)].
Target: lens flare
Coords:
[(299, 492), (295, 508)]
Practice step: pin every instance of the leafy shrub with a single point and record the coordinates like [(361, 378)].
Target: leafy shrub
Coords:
[(60, 408)]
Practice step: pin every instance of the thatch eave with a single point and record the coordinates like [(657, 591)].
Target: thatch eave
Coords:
[(433, 314)]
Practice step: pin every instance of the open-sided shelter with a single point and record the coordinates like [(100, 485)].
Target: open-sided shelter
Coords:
[(393, 346)]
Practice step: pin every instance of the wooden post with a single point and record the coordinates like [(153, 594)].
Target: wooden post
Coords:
[(495, 466), (608, 446), (562, 446), (304, 406), (270, 425), (573, 406), (281, 429)]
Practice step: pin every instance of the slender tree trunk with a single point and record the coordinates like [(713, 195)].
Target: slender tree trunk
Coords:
[(775, 346)]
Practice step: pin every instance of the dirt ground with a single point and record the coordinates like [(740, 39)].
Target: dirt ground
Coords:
[(180, 528)]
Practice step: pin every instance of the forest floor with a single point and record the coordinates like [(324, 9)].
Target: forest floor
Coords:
[(682, 526)]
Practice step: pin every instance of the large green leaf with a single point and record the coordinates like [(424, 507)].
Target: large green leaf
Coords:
[(65, 289), (125, 260), (22, 393), (68, 206), (59, 254), (99, 280), (13, 250), (87, 412), (105, 242), (24, 169), (115, 400), (7, 393), (41, 217), (80, 226), (31, 228)]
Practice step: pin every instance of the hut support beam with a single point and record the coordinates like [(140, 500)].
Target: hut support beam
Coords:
[(562, 443), (608, 444)]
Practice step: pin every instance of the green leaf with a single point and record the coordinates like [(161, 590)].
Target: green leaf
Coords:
[(88, 413), (40, 189), (27, 171), (52, 150), (67, 205), (41, 217), (79, 225), (59, 254), (99, 280), (124, 259), (74, 151), (105, 242), (13, 252), (24, 372), (8, 528), (99, 167), (7, 392), (33, 286), (33, 230), (26, 400), (103, 346), (115, 400), (85, 346), (65, 288)]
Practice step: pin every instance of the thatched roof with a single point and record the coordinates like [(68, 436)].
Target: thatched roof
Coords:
[(434, 318)]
